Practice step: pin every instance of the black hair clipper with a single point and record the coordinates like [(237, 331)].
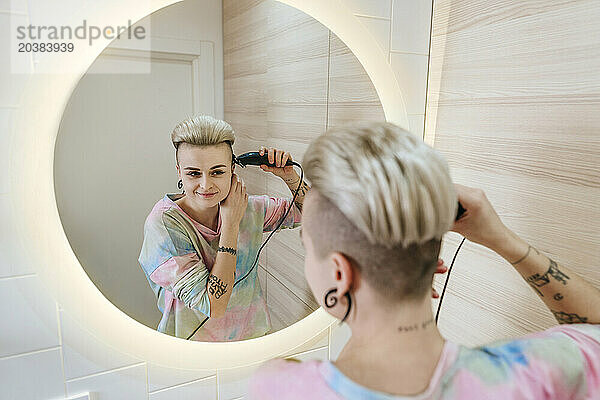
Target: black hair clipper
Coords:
[(254, 158)]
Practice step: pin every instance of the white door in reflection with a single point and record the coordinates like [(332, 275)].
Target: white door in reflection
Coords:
[(128, 116)]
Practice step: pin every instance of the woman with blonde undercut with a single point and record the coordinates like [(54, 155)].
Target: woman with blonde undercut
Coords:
[(200, 245), (379, 204)]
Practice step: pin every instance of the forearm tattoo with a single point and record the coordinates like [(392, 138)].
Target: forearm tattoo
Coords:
[(416, 327), (301, 194), (536, 281), (558, 297), (566, 318), (216, 286)]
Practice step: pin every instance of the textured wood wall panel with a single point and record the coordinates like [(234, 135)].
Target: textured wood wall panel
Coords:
[(287, 78), (352, 96), (513, 99)]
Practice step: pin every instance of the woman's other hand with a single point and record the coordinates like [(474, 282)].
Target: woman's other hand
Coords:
[(440, 269), (234, 205), (279, 158), (479, 223)]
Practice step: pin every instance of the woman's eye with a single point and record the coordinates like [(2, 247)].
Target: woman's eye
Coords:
[(219, 172), (193, 173)]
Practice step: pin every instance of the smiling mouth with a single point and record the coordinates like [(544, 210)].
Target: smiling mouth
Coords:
[(206, 194)]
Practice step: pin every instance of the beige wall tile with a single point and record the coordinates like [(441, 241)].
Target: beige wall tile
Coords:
[(122, 384), (374, 8), (318, 342), (411, 73), (316, 354), (15, 254), (417, 124), (6, 150), (84, 354), (14, 71), (233, 383), (380, 28), (411, 24), (32, 376), (29, 316), (286, 264), (352, 96), (160, 377), (284, 306), (200, 389)]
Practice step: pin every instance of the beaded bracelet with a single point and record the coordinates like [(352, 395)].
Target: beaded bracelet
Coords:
[(230, 250)]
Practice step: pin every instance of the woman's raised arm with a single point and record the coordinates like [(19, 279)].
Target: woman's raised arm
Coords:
[(286, 173), (570, 298)]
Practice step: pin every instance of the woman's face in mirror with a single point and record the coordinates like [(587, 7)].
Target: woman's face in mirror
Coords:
[(205, 172)]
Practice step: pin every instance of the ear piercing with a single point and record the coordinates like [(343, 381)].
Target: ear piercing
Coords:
[(330, 301)]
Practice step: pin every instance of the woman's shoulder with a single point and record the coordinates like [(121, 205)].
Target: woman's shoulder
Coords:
[(278, 377), (158, 210)]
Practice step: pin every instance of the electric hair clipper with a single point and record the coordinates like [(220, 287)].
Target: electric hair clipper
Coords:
[(254, 158)]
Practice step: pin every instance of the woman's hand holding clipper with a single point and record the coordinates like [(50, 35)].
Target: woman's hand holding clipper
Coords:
[(568, 296)]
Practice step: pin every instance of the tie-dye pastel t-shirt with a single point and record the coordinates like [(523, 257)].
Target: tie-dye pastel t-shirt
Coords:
[(560, 363), (178, 273)]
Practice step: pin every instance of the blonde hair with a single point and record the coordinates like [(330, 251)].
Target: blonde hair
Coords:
[(385, 199), (202, 130)]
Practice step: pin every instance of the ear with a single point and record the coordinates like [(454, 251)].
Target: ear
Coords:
[(177, 166), (344, 274)]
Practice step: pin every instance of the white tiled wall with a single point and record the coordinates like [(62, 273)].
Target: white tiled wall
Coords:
[(44, 354), (402, 29)]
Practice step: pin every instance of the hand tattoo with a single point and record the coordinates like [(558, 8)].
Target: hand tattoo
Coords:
[(216, 287), (536, 280), (566, 318), (416, 327)]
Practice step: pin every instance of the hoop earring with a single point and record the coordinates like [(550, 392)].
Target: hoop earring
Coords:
[(329, 304), (180, 185)]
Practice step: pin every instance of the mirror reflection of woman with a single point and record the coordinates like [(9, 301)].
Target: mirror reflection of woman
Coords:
[(198, 243)]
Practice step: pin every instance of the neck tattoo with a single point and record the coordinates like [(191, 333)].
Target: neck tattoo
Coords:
[(416, 327)]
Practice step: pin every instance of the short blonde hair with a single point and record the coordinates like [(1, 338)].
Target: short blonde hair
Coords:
[(386, 200), (202, 130), (395, 188)]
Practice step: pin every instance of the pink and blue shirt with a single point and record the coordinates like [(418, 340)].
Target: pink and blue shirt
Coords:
[(178, 254), (560, 363)]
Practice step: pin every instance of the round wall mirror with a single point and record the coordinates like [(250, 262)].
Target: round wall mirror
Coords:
[(47, 215), (278, 77)]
